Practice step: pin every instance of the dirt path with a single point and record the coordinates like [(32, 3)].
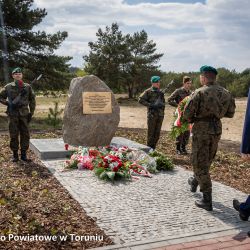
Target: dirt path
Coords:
[(134, 115)]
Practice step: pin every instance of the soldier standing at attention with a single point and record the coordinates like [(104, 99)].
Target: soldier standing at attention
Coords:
[(206, 107), (175, 98), (154, 99), (20, 109)]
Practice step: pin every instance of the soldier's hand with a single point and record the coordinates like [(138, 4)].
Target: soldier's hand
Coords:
[(29, 117), (23, 92)]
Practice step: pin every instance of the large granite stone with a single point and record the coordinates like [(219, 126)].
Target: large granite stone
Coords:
[(88, 129)]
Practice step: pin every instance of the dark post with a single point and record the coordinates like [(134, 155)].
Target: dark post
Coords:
[(4, 51)]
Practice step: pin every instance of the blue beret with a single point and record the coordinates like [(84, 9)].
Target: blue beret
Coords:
[(16, 70), (207, 68), (155, 79)]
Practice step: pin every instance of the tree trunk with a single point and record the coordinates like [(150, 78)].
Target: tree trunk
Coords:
[(131, 90)]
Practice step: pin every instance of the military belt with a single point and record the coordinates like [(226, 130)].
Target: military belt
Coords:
[(207, 119)]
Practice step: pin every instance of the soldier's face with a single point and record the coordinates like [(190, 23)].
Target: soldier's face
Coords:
[(202, 79), (187, 85), (156, 85), (17, 76)]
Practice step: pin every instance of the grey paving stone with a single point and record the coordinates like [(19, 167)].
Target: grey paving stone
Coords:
[(148, 209)]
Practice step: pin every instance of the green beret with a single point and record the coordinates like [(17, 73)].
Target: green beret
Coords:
[(206, 68), (155, 79), (16, 70)]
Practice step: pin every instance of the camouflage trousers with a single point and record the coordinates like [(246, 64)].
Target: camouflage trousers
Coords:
[(183, 138), (154, 129), (204, 148), (18, 125)]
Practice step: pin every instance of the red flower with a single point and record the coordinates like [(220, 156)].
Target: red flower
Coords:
[(93, 152), (115, 169)]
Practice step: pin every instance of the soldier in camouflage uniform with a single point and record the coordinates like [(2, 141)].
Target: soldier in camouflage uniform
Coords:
[(153, 99), (206, 107), (20, 108), (175, 98)]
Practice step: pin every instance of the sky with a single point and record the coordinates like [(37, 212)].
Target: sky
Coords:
[(190, 33)]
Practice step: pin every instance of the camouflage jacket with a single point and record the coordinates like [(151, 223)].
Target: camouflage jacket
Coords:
[(207, 106), (177, 96), (151, 96), (27, 101)]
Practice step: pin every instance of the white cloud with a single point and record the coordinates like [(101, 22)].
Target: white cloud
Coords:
[(189, 35)]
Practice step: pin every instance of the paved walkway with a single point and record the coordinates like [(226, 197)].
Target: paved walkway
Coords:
[(152, 212)]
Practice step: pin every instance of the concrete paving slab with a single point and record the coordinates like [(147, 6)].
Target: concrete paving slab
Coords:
[(48, 149)]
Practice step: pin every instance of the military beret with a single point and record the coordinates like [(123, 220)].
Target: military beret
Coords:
[(155, 79), (207, 68), (16, 70)]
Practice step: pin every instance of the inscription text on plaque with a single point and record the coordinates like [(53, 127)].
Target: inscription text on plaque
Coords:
[(97, 103)]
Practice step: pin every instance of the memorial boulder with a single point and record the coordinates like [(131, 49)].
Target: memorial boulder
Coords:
[(91, 114)]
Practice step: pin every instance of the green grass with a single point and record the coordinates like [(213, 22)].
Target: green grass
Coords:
[(43, 100)]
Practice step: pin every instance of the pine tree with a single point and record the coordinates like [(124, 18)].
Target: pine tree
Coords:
[(33, 50), (124, 62)]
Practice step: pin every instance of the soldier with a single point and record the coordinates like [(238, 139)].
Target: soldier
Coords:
[(175, 98), (206, 107), (243, 208), (154, 99), (20, 109)]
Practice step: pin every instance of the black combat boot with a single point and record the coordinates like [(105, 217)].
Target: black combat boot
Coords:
[(24, 155), (178, 149), (236, 205), (193, 184), (15, 156), (206, 202)]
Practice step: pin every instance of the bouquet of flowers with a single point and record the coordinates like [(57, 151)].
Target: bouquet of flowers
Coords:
[(108, 163), (179, 125)]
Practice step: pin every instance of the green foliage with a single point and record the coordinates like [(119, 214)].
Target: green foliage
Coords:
[(33, 50), (162, 161), (124, 62), (177, 78), (177, 131), (237, 83), (225, 77), (240, 86), (54, 116), (81, 73), (106, 175)]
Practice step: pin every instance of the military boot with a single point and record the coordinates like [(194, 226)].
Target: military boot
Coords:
[(15, 156), (24, 156), (193, 184), (178, 149), (205, 202), (243, 216), (236, 205)]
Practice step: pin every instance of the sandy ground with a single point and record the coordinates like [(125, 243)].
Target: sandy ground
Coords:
[(135, 116)]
